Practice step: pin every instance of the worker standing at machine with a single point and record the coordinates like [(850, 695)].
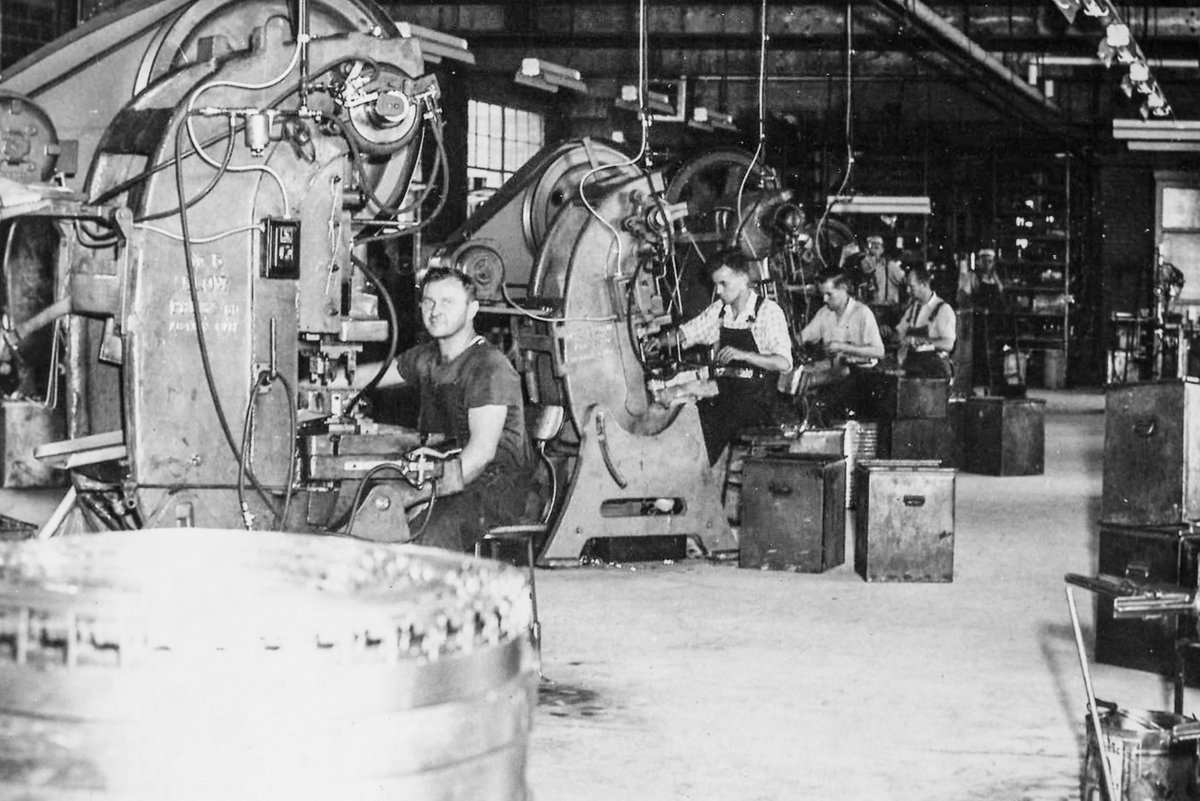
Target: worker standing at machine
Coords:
[(752, 346), (848, 335), (884, 277), (471, 398), (927, 330)]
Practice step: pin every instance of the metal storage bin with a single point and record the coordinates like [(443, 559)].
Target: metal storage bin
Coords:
[(1151, 454), (893, 396), (904, 521), (793, 513), (927, 439), (1166, 555), (1004, 436)]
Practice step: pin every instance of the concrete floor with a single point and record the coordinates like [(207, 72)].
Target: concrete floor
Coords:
[(704, 682)]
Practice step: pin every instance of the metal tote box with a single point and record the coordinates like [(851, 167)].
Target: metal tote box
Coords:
[(904, 521), (1151, 454), (1004, 436), (793, 513)]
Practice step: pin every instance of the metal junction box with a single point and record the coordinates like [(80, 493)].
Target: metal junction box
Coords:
[(904, 521), (1004, 436), (1151, 454), (1159, 555), (793, 513)]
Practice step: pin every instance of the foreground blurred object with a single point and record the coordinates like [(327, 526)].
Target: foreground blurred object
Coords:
[(214, 664)]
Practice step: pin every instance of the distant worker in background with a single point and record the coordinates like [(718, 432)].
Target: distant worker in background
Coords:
[(849, 336), (752, 346), (884, 276), (981, 288), (470, 398), (927, 330), (981, 292)]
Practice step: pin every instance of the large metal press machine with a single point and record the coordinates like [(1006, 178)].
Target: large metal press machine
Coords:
[(197, 299)]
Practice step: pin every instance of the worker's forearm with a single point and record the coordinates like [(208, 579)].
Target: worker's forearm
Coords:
[(474, 462), (766, 361)]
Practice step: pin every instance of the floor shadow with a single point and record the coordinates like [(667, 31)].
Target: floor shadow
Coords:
[(1065, 673), (568, 701)]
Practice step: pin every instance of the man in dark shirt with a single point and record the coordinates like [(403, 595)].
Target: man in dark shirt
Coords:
[(470, 398)]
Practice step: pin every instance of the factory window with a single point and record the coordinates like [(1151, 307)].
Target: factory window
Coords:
[(499, 141)]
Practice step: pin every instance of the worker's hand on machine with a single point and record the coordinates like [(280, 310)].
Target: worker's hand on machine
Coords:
[(656, 344), (729, 354)]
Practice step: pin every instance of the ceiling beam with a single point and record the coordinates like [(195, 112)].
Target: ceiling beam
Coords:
[(1000, 82)]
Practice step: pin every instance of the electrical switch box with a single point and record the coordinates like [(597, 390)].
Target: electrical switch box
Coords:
[(281, 248)]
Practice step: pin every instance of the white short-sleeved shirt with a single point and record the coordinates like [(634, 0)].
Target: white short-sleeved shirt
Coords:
[(768, 326), (856, 326)]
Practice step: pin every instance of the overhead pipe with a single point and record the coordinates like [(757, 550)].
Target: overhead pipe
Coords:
[(964, 44)]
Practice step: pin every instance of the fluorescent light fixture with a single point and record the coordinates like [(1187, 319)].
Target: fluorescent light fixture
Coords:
[(541, 74), (1160, 131), (656, 102), (436, 45), (1175, 147), (879, 204), (1139, 71)]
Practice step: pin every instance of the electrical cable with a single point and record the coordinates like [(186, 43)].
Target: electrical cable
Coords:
[(199, 240), (230, 137), (762, 111), (393, 331), (301, 42), (293, 434), (629, 294), (644, 122), (197, 316), (361, 491), (611, 318), (264, 381), (849, 134), (244, 454), (444, 176), (207, 159)]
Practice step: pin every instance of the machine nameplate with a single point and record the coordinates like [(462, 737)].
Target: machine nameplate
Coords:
[(588, 343)]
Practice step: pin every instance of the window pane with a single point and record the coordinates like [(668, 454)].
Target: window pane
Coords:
[(1180, 207)]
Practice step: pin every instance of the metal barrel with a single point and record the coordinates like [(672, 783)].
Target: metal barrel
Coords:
[(1147, 761), (182, 664)]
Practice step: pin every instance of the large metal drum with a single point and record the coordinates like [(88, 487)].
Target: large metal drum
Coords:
[(218, 665), (1151, 756)]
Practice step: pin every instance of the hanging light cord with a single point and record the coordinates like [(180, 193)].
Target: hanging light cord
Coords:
[(762, 111), (643, 119), (849, 133)]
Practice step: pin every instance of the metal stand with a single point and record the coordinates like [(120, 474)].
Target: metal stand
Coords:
[(633, 485)]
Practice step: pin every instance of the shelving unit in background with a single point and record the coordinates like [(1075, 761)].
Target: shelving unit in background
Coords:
[(1033, 250)]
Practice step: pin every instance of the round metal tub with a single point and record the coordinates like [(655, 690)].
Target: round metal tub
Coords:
[(221, 665), (1152, 756)]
